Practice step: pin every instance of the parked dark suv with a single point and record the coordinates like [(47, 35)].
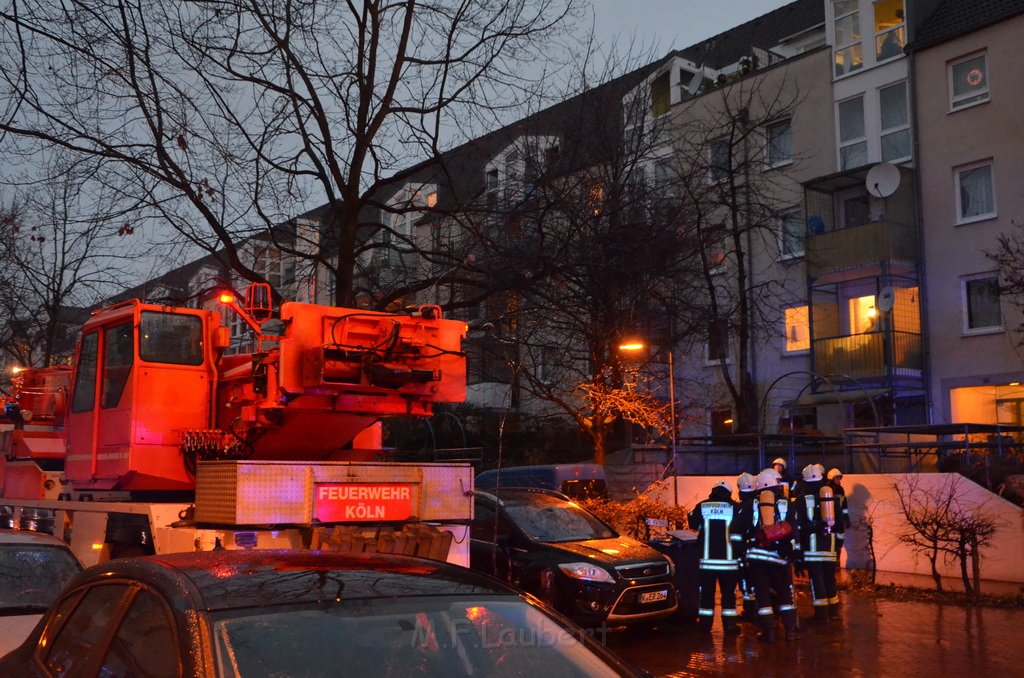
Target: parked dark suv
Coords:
[(548, 545)]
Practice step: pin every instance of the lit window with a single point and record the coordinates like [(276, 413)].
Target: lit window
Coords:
[(595, 199), (791, 235), (975, 195), (779, 144), (863, 314), (660, 98), (890, 33), (432, 199), (848, 54), (798, 334), (981, 303), (968, 82), (895, 122)]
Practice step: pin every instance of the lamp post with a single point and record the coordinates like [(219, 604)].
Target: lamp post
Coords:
[(635, 346)]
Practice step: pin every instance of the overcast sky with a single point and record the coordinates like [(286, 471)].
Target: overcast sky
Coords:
[(664, 25)]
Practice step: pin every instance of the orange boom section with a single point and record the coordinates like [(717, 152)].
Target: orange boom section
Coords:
[(158, 389)]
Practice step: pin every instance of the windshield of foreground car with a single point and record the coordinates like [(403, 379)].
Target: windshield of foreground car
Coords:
[(393, 637), (550, 519), (32, 575)]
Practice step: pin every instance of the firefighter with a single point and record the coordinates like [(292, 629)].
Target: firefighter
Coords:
[(770, 537), (820, 525), (785, 480), (835, 481), (715, 519), (745, 484)]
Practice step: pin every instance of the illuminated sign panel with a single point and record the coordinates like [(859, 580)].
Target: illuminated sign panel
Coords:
[(340, 502)]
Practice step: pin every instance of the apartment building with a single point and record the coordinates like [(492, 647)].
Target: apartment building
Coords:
[(969, 166)]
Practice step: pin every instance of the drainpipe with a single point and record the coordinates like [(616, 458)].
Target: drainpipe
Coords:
[(919, 224)]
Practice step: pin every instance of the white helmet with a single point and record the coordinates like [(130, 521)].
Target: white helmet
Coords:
[(767, 479), (723, 484), (781, 461), (745, 482), (812, 472), (835, 473)]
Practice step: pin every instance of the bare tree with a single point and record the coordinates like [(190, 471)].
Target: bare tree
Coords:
[(731, 207), (226, 118), (577, 240), (65, 245), (941, 525)]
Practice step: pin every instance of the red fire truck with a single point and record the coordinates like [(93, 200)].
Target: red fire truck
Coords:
[(159, 438)]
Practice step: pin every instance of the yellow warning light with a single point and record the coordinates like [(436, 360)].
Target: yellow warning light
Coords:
[(97, 547), (226, 298)]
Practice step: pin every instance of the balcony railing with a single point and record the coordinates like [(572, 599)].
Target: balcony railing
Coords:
[(851, 248), (864, 356)]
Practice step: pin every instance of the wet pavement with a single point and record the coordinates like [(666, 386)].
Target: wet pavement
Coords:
[(875, 637)]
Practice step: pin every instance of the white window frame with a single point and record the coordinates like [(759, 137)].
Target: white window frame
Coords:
[(788, 160), (975, 97), (898, 30), (851, 46), (855, 141), (957, 171), (898, 129), (713, 170), (966, 328), (802, 226)]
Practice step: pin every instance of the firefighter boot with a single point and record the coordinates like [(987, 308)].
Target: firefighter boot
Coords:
[(704, 624), (821, 614), (789, 623), (833, 612), (731, 626), (767, 624)]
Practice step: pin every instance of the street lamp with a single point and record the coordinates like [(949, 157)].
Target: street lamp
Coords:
[(636, 346)]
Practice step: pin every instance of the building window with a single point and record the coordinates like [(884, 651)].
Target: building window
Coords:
[(779, 144), (975, 196), (968, 82), (981, 303), (895, 122), (853, 144), (798, 333), (848, 52), (661, 100), (716, 350), (890, 33), (791, 235), (863, 314), (720, 160), (721, 421)]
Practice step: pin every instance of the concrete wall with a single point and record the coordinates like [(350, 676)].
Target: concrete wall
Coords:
[(875, 496)]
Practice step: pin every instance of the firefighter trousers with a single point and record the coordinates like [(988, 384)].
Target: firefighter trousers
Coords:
[(822, 575), (725, 582), (773, 586)]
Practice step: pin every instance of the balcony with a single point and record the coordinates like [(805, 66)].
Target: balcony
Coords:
[(861, 247), (863, 356)]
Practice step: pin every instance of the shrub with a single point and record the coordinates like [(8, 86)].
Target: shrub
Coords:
[(630, 517)]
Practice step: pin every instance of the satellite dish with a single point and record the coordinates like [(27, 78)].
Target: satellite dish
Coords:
[(883, 179), (886, 298)]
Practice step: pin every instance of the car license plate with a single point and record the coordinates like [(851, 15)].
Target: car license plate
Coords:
[(654, 596)]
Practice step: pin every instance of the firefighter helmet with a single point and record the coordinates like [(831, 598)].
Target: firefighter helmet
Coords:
[(724, 485), (767, 479), (779, 461), (812, 472), (745, 482), (835, 474)]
